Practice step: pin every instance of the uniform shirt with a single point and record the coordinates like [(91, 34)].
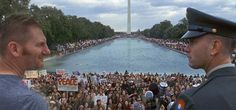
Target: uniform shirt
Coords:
[(217, 93), (16, 96), (219, 67)]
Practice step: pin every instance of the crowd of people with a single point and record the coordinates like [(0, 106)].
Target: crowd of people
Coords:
[(114, 91), (70, 47), (170, 43), (66, 48)]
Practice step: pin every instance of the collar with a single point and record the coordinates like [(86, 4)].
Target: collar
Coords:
[(219, 67)]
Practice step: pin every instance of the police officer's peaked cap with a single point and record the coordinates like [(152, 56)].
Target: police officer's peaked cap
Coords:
[(200, 23)]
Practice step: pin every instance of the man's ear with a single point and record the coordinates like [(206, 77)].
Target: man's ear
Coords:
[(215, 46), (15, 49)]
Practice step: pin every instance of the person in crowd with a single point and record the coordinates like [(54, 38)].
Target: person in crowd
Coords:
[(99, 105)]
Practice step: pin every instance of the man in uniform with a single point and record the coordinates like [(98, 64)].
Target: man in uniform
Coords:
[(210, 45), (22, 47)]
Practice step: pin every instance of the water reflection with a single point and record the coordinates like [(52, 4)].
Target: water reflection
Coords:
[(132, 54)]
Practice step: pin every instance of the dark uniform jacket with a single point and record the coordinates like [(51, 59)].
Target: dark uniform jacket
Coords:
[(217, 93)]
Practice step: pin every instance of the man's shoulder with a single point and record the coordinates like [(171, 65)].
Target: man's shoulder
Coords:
[(188, 99), (221, 83), (222, 72), (11, 88), (33, 101), (14, 95), (218, 81)]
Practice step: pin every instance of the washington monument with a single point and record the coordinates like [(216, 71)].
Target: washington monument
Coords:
[(129, 19)]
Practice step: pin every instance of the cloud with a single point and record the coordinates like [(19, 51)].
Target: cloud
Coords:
[(41, 3), (145, 13), (98, 3), (116, 21)]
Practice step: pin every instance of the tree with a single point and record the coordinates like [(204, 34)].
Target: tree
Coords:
[(158, 30), (166, 30), (57, 27), (8, 7), (146, 32), (178, 30)]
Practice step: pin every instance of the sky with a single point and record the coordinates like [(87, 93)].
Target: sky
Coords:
[(144, 13)]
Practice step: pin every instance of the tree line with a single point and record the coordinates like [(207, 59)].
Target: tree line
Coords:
[(165, 30), (60, 28), (57, 27)]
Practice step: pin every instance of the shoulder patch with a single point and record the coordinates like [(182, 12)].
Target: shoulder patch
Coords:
[(180, 104)]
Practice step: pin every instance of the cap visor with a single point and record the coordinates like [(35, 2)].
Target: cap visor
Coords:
[(192, 34)]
